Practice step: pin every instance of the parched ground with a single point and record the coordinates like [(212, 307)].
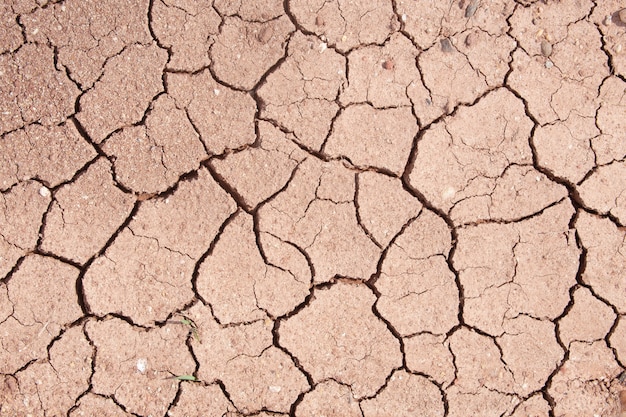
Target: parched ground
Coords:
[(346, 208)]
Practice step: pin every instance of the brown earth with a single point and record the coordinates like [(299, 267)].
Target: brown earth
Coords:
[(312, 208)]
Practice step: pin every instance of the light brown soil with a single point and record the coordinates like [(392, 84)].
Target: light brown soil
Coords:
[(312, 208)]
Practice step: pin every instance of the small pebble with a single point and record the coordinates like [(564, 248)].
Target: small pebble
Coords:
[(44, 192), (323, 47), (622, 15), (142, 364), (546, 48), (549, 64), (388, 64), (607, 20), (319, 21), (471, 9), (265, 34), (448, 193), (403, 18), (446, 45), (471, 39)]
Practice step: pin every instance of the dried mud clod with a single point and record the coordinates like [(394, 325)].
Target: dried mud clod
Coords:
[(290, 208)]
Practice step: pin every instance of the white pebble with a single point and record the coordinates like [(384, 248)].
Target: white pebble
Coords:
[(44, 192), (448, 193), (274, 388), (142, 364), (549, 64), (323, 47)]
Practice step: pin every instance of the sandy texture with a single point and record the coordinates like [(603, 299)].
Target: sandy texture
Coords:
[(313, 208)]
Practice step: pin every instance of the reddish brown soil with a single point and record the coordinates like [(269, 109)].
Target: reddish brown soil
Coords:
[(312, 208)]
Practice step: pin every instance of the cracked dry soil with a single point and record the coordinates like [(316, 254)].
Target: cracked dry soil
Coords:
[(312, 208)]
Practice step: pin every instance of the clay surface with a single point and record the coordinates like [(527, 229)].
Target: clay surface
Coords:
[(312, 208)]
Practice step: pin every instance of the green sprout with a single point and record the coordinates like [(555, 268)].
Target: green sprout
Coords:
[(193, 328), (186, 378), (189, 378)]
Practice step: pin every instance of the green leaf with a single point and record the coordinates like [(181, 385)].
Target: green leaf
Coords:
[(186, 378), (188, 322)]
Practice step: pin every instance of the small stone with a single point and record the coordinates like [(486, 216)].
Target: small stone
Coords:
[(448, 193), (549, 64), (142, 364), (607, 20), (622, 15), (546, 48), (471, 9), (388, 64), (446, 45), (274, 388), (265, 34), (44, 192), (322, 47), (471, 39), (319, 21)]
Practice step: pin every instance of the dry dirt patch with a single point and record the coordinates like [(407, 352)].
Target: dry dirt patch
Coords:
[(304, 208)]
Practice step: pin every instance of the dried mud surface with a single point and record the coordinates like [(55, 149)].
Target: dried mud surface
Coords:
[(312, 208)]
